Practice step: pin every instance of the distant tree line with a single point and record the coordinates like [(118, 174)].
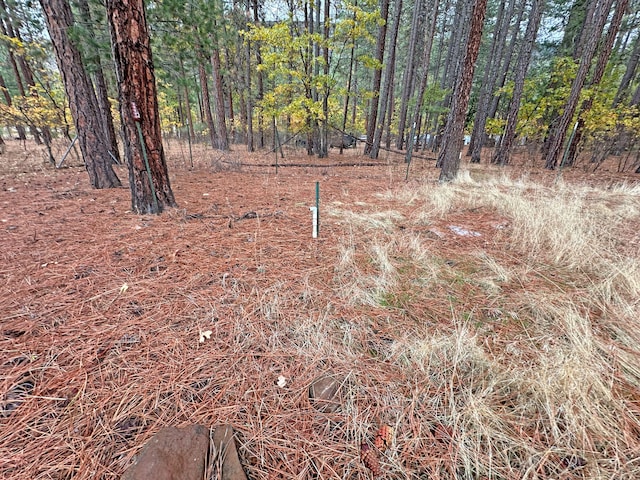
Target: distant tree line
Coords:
[(555, 77)]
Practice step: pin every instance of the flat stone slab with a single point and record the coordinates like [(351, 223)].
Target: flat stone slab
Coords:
[(172, 454), (226, 454)]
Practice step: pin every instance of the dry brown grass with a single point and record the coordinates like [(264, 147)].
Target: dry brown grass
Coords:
[(509, 354)]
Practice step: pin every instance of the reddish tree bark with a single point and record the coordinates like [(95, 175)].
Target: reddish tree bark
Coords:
[(137, 86), (449, 157), (82, 99), (498, 42)]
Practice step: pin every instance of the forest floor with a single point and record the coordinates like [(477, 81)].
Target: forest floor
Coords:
[(492, 323)]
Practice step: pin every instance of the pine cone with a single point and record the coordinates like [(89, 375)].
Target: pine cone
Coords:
[(370, 459), (384, 437)]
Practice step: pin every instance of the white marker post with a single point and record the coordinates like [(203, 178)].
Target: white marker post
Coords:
[(314, 219)]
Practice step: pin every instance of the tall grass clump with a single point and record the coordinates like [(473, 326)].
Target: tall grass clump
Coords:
[(567, 225), (550, 410), (535, 370), (364, 278), (558, 226)]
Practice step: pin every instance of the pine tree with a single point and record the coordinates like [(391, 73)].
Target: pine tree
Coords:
[(449, 157), (82, 99), (148, 177)]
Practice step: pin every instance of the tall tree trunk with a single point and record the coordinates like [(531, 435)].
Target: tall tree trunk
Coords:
[(249, 99), (591, 39), (187, 104), (426, 60), (27, 74), (180, 111), (232, 119), (354, 88), (442, 33), (575, 24), (260, 97), (310, 64), (449, 157), (478, 134), (218, 95), (576, 33), (201, 114), (345, 111), (104, 105), (389, 114), (316, 143), (16, 72), (206, 103), (454, 65), (598, 73), (82, 100), (432, 120), (388, 81), (635, 100), (377, 77), (5, 91), (629, 73), (22, 134), (139, 107), (502, 153), (408, 77), (100, 84), (324, 125), (505, 63), (456, 43)]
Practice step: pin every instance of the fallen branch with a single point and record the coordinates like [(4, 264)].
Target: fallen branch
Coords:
[(316, 165)]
